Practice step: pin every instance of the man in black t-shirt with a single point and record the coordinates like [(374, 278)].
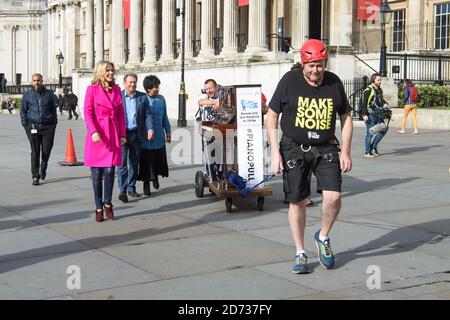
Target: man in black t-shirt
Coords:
[(309, 100)]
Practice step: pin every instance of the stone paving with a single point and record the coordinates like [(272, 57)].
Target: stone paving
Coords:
[(395, 219)]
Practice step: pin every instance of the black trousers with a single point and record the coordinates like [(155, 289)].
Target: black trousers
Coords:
[(42, 141), (74, 110)]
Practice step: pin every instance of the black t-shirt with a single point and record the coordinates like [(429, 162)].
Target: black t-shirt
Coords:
[(309, 113)]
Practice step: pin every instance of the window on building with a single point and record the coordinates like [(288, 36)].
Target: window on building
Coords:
[(441, 33), (398, 30)]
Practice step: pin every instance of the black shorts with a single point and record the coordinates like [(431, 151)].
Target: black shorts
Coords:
[(297, 181)]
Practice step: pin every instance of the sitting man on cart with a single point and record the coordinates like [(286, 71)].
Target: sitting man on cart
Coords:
[(310, 99), (208, 101), (209, 105)]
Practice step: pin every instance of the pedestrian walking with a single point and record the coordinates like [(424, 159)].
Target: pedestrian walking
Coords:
[(410, 98), (309, 100), (39, 119), (105, 120), (139, 127), (153, 161)]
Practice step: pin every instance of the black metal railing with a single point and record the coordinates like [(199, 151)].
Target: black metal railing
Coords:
[(196, 47), (419, 68), (176, 49), (23, 88), (242, 41), (354, 90), (218, 45), (284, 44), (158, 52)]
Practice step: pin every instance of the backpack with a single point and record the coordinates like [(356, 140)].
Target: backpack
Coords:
[(361, 99), (413, 94)]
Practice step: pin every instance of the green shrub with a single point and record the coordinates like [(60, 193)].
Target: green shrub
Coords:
[(430, 96)]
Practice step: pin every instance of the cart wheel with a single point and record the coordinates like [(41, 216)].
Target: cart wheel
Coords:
[(260, 203), (199, 184), (228, 204)]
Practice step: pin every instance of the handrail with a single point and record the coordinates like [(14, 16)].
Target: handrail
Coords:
[(365, 63), (357, 91), (284, 39)]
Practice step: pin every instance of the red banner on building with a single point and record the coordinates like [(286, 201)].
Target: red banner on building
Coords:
[(126, 13), (368, 9), (243, 3)]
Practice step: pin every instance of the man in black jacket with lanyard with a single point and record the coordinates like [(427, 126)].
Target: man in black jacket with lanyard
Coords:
[(38, 117), (310, 99)]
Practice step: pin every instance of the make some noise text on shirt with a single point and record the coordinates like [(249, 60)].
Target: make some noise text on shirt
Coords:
[(314, 113)]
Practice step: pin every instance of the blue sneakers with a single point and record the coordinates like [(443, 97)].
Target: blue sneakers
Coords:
[(326, 257), (300, 263)]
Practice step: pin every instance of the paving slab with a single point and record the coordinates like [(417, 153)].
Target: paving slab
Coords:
[(145, 229), (205, 254), (240, 284), (355, 272), (46, 276), (173, 245)]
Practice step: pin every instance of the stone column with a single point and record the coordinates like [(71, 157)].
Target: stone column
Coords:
[(151, 30), (40, 41), (117, 34), (168, 30), (416, 33), (69, 51), (62, 37), (31, 43), (300, 23), (189, 35), (13, 53), (8, 45), (341, 59), (99, 31), (208, 29), (257, 27), (135, 32), (56, 44), (90, 34), (230, 28), (50, 42), (341, 22)]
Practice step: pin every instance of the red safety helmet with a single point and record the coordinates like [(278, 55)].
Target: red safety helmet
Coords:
[(313, 50)]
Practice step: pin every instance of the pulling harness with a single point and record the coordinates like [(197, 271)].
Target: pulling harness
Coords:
[(301, 151)]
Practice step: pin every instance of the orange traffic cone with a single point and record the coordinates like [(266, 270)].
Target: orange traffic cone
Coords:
[(71, 158)]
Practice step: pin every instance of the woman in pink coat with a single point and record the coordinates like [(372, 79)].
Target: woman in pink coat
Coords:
[(105, 120)]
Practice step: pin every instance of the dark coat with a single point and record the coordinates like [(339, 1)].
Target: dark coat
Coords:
[(144, 118), (70, 101), (38, 108)]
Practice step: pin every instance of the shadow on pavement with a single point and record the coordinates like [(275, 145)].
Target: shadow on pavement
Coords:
[(354, 186), (25, 258), (392, 243), (411, 150)]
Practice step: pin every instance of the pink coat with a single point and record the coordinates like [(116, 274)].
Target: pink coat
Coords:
[(105, 116)]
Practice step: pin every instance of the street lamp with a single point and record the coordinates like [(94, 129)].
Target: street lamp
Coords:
[(182, 95), (385, 18), (60, 58)]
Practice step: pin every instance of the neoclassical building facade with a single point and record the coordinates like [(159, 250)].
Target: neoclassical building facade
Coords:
[(235, 44), (255, 43), (216, 30), (22, 42)]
